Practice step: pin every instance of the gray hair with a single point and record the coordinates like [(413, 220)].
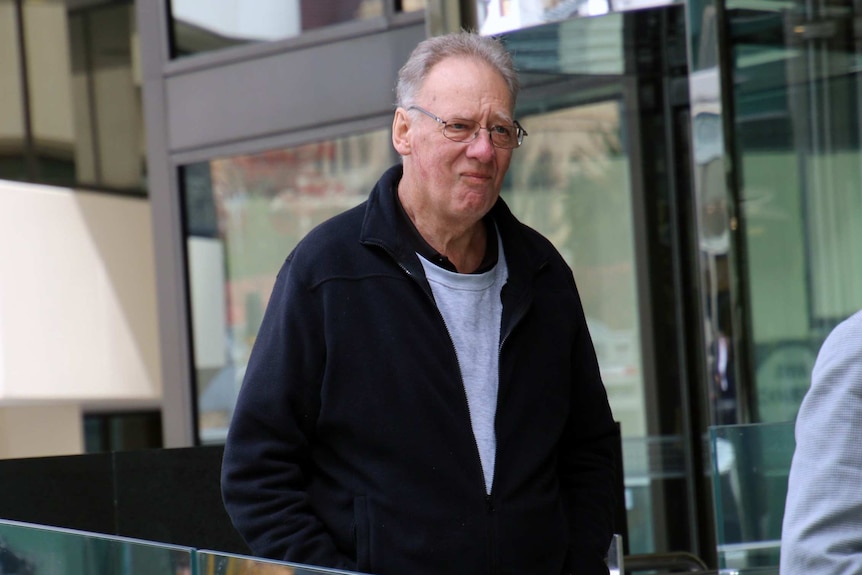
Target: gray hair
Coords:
[(432, 51)]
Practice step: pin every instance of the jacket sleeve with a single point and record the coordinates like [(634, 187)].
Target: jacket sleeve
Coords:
[(587, 462), (822, 525), (267, 451)]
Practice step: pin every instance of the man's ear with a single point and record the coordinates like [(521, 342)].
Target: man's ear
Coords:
[(400, 132)]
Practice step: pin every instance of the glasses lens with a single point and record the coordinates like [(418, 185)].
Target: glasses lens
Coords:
[(503, 136), (460, 130)]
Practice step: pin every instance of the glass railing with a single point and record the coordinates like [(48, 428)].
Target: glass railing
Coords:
[(750, 467), (29, 549), (215, 563)]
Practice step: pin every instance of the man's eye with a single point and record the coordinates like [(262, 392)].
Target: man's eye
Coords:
[(502, 130), (457, 126)]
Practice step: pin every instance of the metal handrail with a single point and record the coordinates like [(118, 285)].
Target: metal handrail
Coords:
[(677, 561)]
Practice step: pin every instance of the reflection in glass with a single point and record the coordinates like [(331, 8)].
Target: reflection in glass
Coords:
[(716, 221), (202, 25), (50, 89), (750, 468), (225, 563), (122, 431), (604, 194), (498, 16), (72, 116), (13, 133), (27, 549), (570, 181), (244, 214), (797, 121)]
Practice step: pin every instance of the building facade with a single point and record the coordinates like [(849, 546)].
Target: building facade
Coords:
[(80, 364), (698, 164)]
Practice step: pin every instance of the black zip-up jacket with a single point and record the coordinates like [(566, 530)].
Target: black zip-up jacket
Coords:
[(351, 444)]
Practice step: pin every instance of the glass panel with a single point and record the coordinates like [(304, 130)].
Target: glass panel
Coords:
[(615, 556), (27, 549), (717, 223), (571, 182), (578, 179), (108, 114), (83, 125), (13, 129), (750, 466), (201, 26), (214, 563), (243, 217), (47, 46), (497, 16), (122, 431), (796, 70)]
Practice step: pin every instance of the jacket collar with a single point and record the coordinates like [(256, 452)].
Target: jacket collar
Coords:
[(382, 226)]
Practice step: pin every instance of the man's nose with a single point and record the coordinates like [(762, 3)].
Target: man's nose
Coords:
[(481, 146)]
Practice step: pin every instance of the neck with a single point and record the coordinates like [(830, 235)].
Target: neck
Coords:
[(465, 250), (463, 243)]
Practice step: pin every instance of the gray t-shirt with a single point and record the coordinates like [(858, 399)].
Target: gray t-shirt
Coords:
[(472, 309)]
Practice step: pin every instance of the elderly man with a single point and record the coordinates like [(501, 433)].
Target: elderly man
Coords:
[(423, 395)]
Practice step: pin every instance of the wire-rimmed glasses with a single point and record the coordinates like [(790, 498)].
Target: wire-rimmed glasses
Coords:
[(506, 136)]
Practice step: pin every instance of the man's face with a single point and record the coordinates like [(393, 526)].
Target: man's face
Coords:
[(454, 182)]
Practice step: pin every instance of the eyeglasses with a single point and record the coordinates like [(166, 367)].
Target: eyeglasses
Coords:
[(465, 131)]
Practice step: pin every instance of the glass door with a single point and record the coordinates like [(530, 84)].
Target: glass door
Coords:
[(798, 127), (605, 175)]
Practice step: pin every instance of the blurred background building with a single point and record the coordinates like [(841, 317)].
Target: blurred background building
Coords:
[(697, 163)]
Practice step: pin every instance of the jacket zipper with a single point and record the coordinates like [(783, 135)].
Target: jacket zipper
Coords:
[(493, 566), (489, 498), (430, 297)]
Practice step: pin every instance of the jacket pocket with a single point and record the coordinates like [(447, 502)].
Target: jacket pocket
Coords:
[(361, 533)]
